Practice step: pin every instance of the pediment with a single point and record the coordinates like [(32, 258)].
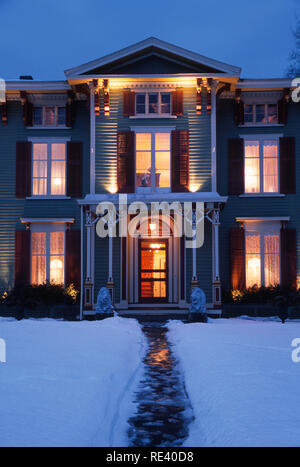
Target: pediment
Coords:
[(153, 56)]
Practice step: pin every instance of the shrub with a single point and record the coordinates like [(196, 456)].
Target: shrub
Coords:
[(48, 294), (263, 295)]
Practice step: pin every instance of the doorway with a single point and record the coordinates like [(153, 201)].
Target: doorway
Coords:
[(153, 267)]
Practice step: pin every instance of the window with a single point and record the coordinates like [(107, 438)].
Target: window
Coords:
[(49, 116), (49, 169), (261, 114), (262, 256), (48, 257), (153, 104), (153, 161), (261, 165)]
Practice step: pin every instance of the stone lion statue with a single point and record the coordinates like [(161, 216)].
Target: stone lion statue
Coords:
[(198, 302), (104, 304)]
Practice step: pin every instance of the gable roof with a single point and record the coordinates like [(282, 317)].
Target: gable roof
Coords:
[(118, 62)]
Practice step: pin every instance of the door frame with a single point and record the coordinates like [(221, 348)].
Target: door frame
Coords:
[(159, 299)]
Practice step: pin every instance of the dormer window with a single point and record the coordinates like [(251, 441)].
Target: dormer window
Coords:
[(49, 116), (153, 104)]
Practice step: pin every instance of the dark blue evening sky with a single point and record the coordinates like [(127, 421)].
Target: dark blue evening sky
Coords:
[(45, 37)]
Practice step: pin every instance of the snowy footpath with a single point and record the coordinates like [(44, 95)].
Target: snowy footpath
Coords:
[(68, 384), (241, 380)]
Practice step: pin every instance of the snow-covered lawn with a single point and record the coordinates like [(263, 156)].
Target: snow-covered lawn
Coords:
[(241, 380), (68, 384)]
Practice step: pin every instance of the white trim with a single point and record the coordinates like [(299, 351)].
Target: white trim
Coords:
[(50, 139), (60, 127), (48, 220), (262, 125), (265, 83), (45, 197), (262, 219), (151, 129), (262, 195), (153, 42), (206, 197), (31, 85)]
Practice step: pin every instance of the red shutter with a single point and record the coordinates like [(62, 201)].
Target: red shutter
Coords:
[(28, 113), (74, 169), (73, 258), (125, 156), (239, 111), (288, 239), (236, 182), (23, 169), (22, 257), (180, 160), (288, 165), (128, 103), (282, 111), (177, 103), (237, 258)]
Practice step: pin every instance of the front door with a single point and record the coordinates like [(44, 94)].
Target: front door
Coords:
[(153, 271)]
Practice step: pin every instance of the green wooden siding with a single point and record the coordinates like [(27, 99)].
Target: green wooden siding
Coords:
[(12, 209), (252, 207)]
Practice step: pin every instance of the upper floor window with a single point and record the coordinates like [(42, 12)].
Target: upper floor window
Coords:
[(53, 116), (261, 165), (153, 103), (48, 169), (261, 114), (153, 161)]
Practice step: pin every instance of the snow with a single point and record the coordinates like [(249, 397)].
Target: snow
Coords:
[(68, 384), (242, 382)]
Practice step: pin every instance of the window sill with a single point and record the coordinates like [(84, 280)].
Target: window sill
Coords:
[(261, 125), (145, 117), (262, 195), (48, 128), (47, 197)]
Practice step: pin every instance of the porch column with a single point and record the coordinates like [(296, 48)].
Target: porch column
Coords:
[(217, 299), (92, 138), (214, 86), (110, 281), (194, 278), (88, 285)]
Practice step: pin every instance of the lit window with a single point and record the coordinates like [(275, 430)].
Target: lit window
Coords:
[(153, 156), (49, 116), (262, 257), (153, 103), (261, 114), (261, 166), (48, 257), (49, 169)]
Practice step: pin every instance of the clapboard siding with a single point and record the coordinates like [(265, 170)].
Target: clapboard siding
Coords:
[(12, 209), (101, 265), (253, 207), (199, 127)]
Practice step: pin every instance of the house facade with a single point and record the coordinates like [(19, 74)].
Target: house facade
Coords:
[(149, 124)]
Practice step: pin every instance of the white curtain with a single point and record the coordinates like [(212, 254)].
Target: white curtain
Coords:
[(253, 260), (272, 259), (252, 167), (39, 249), (270, 166)]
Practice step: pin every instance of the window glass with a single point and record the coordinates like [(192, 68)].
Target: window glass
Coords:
[(38, 267), (272, 259), (165, 106), (38, 115), (273, 113), (39, 169), (61, 116), (58, 169), (143, 160), (252, 167), (57, 250), (153, 103), (49, 116), (270, 154), (261, 113), (140, 103), (249, 115), (162, 160), (253, 260)]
